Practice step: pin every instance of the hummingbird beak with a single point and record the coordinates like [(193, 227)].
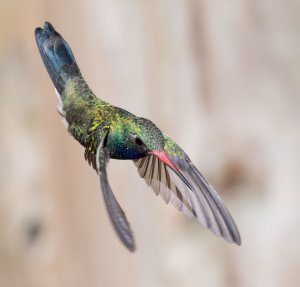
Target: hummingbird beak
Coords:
[(161, 155)]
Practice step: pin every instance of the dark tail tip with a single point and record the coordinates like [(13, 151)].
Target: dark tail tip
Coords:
[(37, 32), (48, 27), (56, 54)]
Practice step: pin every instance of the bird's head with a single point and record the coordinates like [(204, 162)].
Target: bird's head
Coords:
[(137, 138), (146, 138), (145, 135)]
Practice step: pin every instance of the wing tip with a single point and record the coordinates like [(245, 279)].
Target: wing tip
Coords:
[(233, 240), (130, 245), (127, 238), (232, 235), (237, 240)]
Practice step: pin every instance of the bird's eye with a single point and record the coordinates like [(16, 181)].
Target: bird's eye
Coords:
[(138, 141)]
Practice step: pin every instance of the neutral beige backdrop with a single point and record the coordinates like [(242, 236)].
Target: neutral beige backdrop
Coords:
[(220, 77)]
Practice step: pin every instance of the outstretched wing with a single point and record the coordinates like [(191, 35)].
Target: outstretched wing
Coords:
[(116, 214), (197, 200)]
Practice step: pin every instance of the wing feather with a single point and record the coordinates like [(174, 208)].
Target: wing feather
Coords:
[(199, 200), (116, 214)]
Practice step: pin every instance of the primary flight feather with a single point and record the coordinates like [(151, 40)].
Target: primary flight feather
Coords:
[(107, 131)]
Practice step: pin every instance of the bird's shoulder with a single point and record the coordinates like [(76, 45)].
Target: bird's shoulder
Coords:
[(173, 149)]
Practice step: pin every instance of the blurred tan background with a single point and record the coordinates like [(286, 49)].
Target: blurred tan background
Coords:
[(220, 77)]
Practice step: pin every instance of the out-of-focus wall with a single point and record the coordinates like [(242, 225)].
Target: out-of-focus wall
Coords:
[(220, 77)]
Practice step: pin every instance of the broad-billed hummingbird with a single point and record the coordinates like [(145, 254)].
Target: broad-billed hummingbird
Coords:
[(107, 131)]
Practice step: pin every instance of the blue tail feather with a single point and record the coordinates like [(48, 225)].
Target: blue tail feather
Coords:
[(57, 56)]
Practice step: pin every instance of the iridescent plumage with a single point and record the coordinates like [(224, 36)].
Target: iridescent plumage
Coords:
[(107, 131)]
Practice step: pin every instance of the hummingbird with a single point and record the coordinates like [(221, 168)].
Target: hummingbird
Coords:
[(109, 132)]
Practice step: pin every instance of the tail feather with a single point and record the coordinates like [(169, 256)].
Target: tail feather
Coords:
[(57, 56)]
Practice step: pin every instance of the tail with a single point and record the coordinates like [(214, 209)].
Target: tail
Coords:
[(57, 56)]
